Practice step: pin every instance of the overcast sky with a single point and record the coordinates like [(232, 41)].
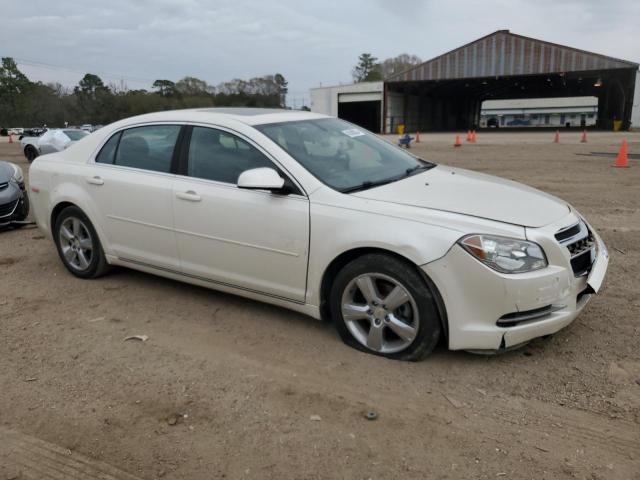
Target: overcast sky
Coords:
[(308, 41)]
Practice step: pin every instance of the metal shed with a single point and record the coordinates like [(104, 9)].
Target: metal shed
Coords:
[(446, 92)]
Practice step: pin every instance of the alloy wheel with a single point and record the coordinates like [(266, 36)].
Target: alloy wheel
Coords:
[(380, 313), (76, 243)]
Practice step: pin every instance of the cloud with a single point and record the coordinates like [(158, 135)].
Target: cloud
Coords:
[(309, 41)]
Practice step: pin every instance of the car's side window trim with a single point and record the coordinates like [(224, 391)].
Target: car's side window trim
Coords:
[(174, 159), (183, 171), (178, 149), (115, 152)]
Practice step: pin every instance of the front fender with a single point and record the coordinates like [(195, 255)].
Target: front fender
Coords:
[(336, 230)]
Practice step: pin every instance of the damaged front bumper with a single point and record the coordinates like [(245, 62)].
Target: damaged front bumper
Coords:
[(490, 311)]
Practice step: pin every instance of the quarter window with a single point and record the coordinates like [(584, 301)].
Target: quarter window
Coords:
[(109, 149), (147, 148), (220, 156)]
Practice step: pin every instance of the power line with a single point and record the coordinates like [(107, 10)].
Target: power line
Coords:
[(114, 76)]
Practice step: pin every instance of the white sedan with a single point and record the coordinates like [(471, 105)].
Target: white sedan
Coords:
[(317, 215)]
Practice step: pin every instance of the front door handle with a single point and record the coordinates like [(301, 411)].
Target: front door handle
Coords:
[(95, 180), (189, 195)]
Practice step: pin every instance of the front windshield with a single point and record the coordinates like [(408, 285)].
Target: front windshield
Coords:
[(342, 155)]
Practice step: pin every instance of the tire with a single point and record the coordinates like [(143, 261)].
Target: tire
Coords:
[(78, 244), (30, 153), (408, 328)]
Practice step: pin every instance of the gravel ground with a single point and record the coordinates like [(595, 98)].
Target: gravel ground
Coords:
[(230, 388)]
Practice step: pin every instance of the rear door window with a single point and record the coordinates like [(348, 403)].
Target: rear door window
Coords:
[(148, 148)]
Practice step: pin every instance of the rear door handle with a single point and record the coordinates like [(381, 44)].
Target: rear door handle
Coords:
[(189, 196), (95, 180)]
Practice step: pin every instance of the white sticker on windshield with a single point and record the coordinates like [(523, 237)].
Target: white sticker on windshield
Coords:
[(353, 132)]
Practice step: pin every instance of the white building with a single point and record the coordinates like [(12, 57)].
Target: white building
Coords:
[(360, 103), (540, 112), (635, 110)]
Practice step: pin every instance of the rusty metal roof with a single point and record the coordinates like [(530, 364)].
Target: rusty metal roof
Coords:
[(503, 53)]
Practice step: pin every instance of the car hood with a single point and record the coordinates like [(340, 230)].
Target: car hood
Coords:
[(470, 193), (6, 172)]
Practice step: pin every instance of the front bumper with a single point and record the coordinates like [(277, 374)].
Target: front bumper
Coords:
[(488, 310), (14, 204)]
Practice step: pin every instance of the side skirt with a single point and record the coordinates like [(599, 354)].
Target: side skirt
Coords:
[(304, 308)]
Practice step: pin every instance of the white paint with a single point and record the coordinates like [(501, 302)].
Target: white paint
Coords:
[(635, 111), (276, 248)]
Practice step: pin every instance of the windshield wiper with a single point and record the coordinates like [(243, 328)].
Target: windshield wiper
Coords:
[(366, 185), (420, 166), (370, 184)]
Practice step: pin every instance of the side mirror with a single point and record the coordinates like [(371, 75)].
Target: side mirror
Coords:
[(261, 179)]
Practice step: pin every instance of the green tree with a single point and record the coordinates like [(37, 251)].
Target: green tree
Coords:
[(283, 88), (90, 86), (192, 86), (95, 100), (165, 88), (14, 87), (367, 69), (402, 62)]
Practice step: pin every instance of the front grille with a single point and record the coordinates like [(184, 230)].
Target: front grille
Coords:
[(568, 232), (581, 245), (8, 208)]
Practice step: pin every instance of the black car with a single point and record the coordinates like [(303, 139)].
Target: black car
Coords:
[(14, 202)]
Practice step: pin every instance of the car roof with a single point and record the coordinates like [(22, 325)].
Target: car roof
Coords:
[(249, 116)]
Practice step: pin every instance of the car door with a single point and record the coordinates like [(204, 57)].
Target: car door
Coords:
[(132, 187), (250, 239)]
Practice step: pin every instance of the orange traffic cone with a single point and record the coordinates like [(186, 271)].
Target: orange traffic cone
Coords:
[(622, 161), (473, 136), (10, 138), (584, 137), (417, 137), (468, 135), (458, 142), (556, 139)]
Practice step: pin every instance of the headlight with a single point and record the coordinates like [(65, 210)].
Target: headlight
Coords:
[(17, 174), (506, 255)]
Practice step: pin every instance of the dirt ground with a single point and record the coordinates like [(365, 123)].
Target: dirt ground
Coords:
[(229, 388)]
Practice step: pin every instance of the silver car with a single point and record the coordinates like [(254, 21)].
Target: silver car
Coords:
[(51, 141)]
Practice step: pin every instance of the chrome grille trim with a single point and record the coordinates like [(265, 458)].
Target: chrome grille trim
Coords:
[(582, 232), (7, 209), (581, 246)]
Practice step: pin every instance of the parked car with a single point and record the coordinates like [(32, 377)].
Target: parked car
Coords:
[(320, 216), (87, 127), (493, 123), (54, 140), (14, 201)]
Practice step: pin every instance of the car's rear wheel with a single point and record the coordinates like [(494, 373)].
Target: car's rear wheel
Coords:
[(78, 244), (381, 305), (31, 153)]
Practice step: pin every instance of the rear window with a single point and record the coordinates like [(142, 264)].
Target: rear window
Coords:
[(75, 135)]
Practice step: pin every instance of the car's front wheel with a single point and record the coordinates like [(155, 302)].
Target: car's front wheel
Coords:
[(380, 304), (78, 244)]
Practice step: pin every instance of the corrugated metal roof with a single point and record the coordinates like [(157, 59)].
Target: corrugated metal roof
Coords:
[(503, 53)]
